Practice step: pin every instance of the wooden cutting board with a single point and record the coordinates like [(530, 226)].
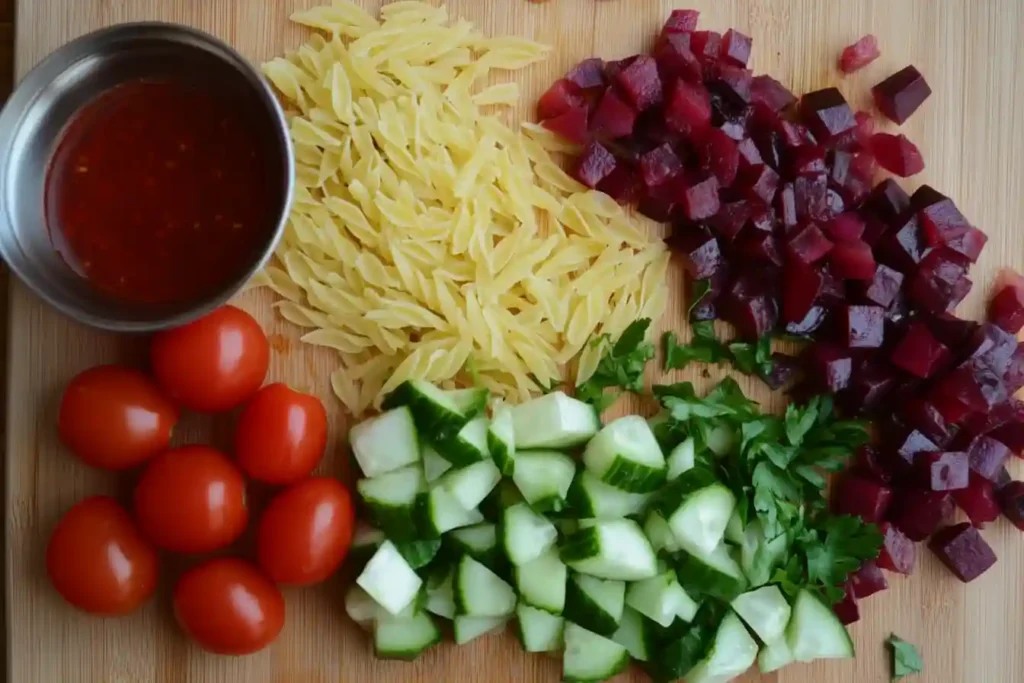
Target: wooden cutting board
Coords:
[(972, 137)]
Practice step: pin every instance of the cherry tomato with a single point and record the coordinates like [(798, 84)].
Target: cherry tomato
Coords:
[(305, 532), (191, 500), (98, 561), (114, 417), (281, 435), (212, 364), (228, 606)]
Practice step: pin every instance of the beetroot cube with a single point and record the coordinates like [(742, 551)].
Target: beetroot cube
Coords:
[(801, 286), (853, 261), (993, 346), (761, 182), (707, 45), (863, 498), (784, 369), (676, 59), (770, 92), (1013, 378), (898, 553), (942, 470), (785, 206), (897, 154), (940, 218), (612, 117), (846, 227), (658, 165), (572, 125), (827, 114), (809, 245), (857, 56), (874, 229), (952, 331), (903, 247), (659, 210), (940, 283), (987, 457), (973, 384), (640, 83), (872, 382), (700, 250), (689, 108), (736, 47), (808, 159), (681, 21), (1011, 500), (846, 609), (899, 95), (883, 286), (869, 463), (594, 164), (809, 324), (863, 327), (731, 218), (964, 551), (588, 74), (906, 442), (921, 415), (978, 501), (760, 247), (921, 513), (613, 68), (733, 84), (829, 366), (749, 155), (889, 202), (811, 194), (918, 351), (622, 184), (1007, 307), (700, 200), (867, 581), (562, 96), (718, 156), (750, 308)]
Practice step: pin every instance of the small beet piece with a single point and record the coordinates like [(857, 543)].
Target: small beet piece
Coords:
[(925, 418), (640, 83), (622, 184), (940, 283), (572, 125), (889, 202), (809, 245), (801, 286), (759, 247), (750, 309), (613, 68), (920, 513), (811, 194), (588, 74), (898, 553), (659, 164), (595, 164), (884, 286), (846, 227), (846, 610), (707, 45), (718, 155), (733, 84), (809, 324), (785, 201), (858, 55), (853, 261), (700, 251), (918, 351), (863, 327), (868, 580), (736, 47), (897, 154), (688, 109), (761, 182), (562, 96), (978, 501), (829, 367), (768, 91), (731, 218), (987, 456), (784, 369), (962, 549), (993, 346), (700, 200), (899, 95), (973, 387), (827, 114), (1011, 500), (862, 497), (808, 159), (750, 157), (676, 59), (942, 224), (906, 442), (1014, 375), (613, 117), (942, 470), (1007, 307), (659, 210), (903, 247), (872, 382), (869, 463), (681, 21), (952, 331)]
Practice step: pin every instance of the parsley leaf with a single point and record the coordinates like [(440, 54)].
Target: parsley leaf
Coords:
[(698, 290), (705, 347), (752, 359), (622, 366), (905, 658), (833, 546)]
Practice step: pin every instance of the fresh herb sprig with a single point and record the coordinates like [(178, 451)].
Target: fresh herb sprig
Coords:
[(747, 357), (905, 658), (621, 367)]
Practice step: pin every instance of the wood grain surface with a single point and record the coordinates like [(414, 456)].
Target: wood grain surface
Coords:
[(970, 131)]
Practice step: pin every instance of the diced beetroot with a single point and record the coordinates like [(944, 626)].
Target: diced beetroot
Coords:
[(857, 56), (964, 551), (903, 247), (750, 307), (785, 206), (1013, 378), (749, 155), (874, 229), (801, 286), (707, 45), (588, 74), (613, 68), (612, 117), (1011, 500), (572, 125), (1012, 433), (921, 415), (807, 160), (991, 345), (733, 84), (660, 210), (699, 248), (944, 225), (985, 423), (833, 289), (736, 47), (978, 501), (811, 195), (640, 83), (863, 327), (918, 351), (899, 95), (784, 369), (884, 286), (970, 388), (898, 553), (761, 182), (920, 513), (861, 497), (827, 114), (828, 367), (811, 323), (846, 610), (872, 382), (735, 123), (1007, 307), (846, 227), (676, 59), (903, 443), (889, 202), (987, 457), (1002, 481), (853, 261), (768, 91), (809, 245), (869, 463), (700, 200), (689, 108), (731, 218), (897, 154), (951, 330), (622, 184), (942, 470), (562, 96), (940, 283), (867, 581), (594, 164), (681, 21), (764, 219), (658, 165), (718, 156)]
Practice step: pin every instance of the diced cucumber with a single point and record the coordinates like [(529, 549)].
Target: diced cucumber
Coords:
[(544, 477), (468, 445), (470, 628), (734, 530), (610, 549), (365, 541), (715, 574), (553, 421), (525, 534), (665, 430), (659, 533), (661, 599), (439, 512), (634, 635), (361, 607), (732, 653), (541, 583), (470, 485), (441, 594), (391, 499), (501, 440), (539, 631), (774, 656), (405, 637), (389, 579), (504, 495), (566, 525), (433, 464), (683, 648), (681, 459), (479, 541), (385, 443), (626, 455), (591, 497), (479, 592), (595, 604), (590, 657), (719, 438), (419, 553), (765, 611), (760, 557), (697, 508), (815, 632), (437, 413)]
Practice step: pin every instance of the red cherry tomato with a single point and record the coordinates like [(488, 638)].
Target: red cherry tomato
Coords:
[(98, 561), (281, 435), (228, 606), (212, 364), (115, 418), (191, 500), (305, 532)]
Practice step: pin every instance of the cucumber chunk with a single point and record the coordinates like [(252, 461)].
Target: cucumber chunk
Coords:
[(479, 592), (661, 599), (732, 652), (391, 499), (659, 533), (479, 541), (553, 421), (591, 657), (734, 531), (626, 455), (419, 553), (385, 443), (437, 413), (591, 497), (470, 628), (697, 508), (765, 611), (525, 534), (438, 512), (501, 440), (365, 541), (470, 485), (595, 604), (441, 593), (544, 477), (541, 583), (539, 631), (433, 464), (715, 574), (389, 579), (361, 607), (402, 637), (815, 632), (610, 549), (634, 635), (682, 649), (504, 495), (774, 656), (681, 459), (468, 446)]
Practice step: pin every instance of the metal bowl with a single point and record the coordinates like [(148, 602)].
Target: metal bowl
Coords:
[(49, 97)]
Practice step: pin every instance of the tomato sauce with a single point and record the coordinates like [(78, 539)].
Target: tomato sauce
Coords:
[(160, 193)]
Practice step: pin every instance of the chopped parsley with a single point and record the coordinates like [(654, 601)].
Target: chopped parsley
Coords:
[(621, 367), (905, 658)]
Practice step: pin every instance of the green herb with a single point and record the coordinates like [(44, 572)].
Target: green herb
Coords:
[(705, 347), (622, 366), (698, 290), (752, 359), (905, 658)]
